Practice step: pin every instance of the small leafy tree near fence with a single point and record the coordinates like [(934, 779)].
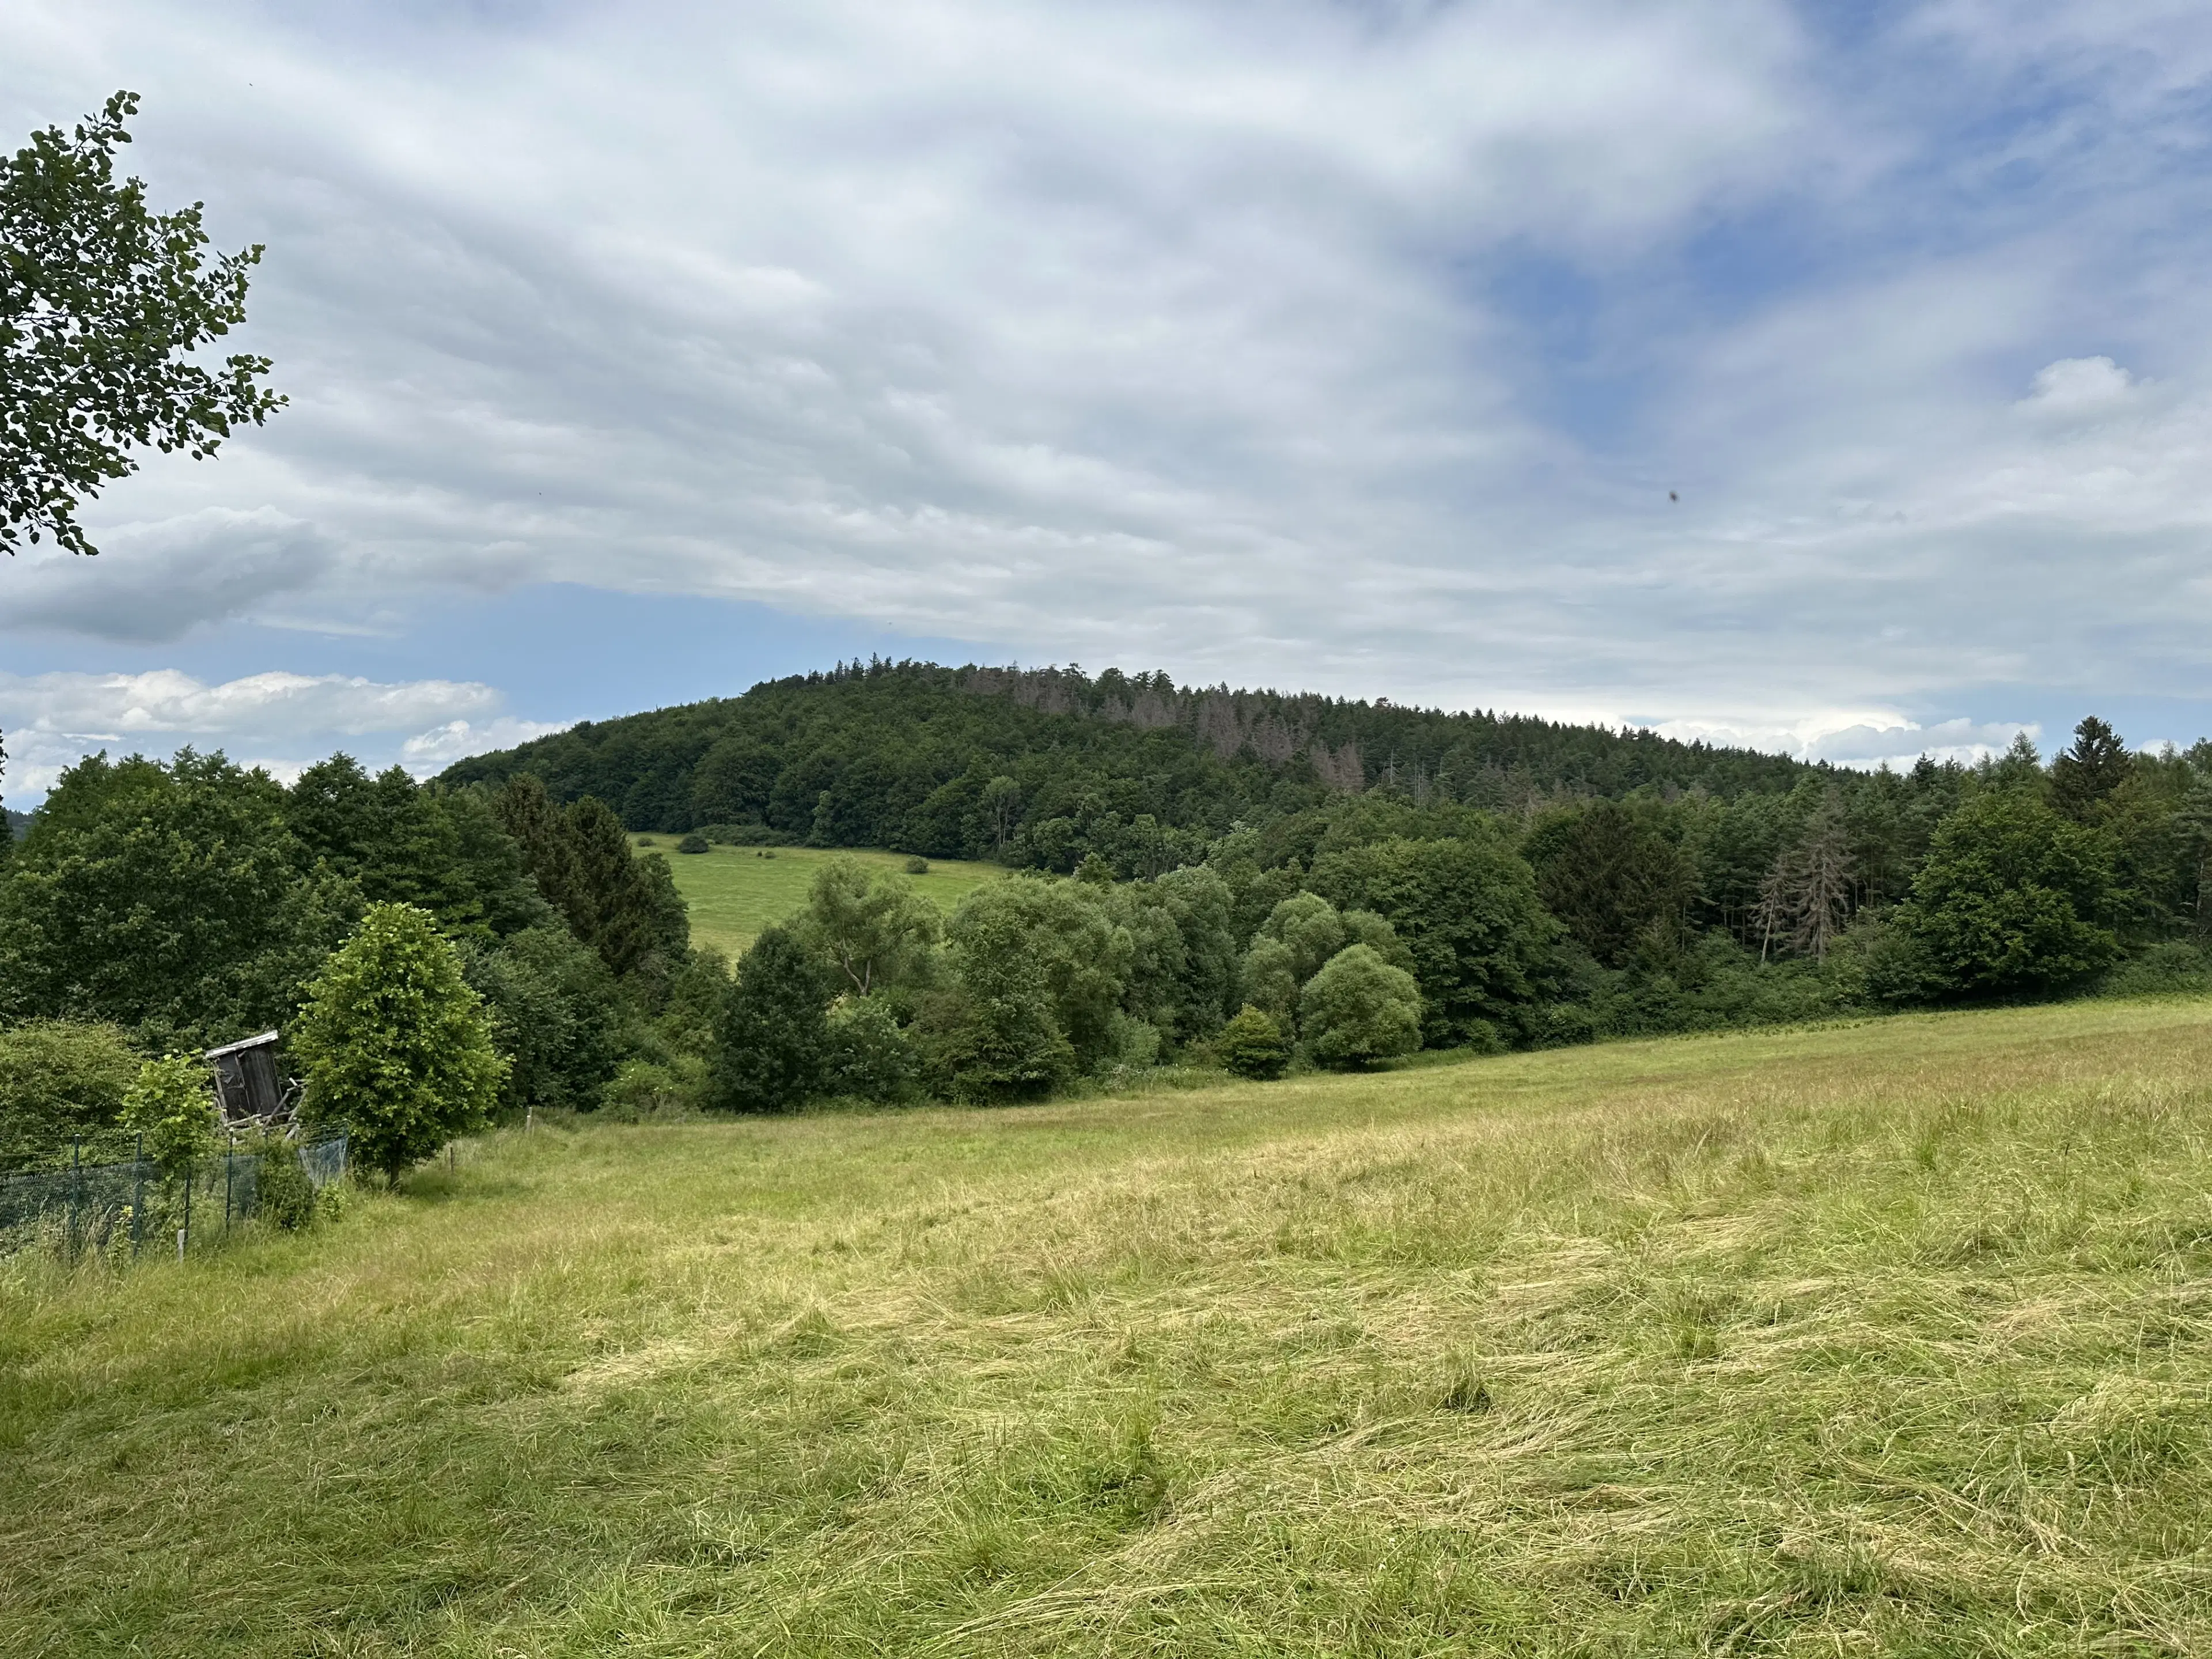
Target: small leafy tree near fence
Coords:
[(172, 1106), (397, 1048)]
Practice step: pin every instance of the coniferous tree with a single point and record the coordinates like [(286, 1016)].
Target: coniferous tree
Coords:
[(1806, 899), (1615, 881), (2085, 776)]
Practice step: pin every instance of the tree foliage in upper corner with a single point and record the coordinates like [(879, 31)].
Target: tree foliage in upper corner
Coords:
[(101, 300), (398, 1048)]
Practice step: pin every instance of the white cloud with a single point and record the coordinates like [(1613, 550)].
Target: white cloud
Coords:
[(433, 750), (283, 720), (1863, 739), (2077, 385), (1349, 347)]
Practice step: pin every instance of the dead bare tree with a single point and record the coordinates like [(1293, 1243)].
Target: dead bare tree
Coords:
[(1805, 901)]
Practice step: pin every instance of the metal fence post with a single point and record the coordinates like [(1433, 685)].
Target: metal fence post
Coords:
[(185, 1232), (76, 1192), (229, 1158), (138, 1196)]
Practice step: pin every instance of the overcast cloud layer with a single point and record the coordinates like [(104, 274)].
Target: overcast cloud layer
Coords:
[(1355, 348)]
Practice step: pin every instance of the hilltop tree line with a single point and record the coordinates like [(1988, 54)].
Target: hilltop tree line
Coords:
[(164, 907), (1043, 768)]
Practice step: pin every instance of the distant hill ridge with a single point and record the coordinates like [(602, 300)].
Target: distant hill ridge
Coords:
[(980, 761)]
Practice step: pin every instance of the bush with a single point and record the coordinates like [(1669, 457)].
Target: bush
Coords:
[(646, 1089), (398, 1048), (172, 1104), (988, 1049), (2163, 969), (694, 843), (917, 865), (869, 1056), (1253, 1045), (1359, 1009), (59, 1081), (772, 1035), (283, 1196)]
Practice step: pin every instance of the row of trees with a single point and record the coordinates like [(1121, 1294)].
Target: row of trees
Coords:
[(1046, 767), (167, 907), (1034, 982), (175, 905)]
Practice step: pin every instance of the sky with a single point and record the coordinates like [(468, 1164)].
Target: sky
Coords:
[(1835, 378)]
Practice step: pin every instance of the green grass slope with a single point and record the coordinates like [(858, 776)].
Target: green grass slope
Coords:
[(732, 893), (1891, 1338)]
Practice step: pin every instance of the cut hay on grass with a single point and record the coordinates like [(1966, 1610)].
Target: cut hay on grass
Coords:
[(1889, 1338)]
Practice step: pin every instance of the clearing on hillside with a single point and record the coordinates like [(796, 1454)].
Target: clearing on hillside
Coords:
[(733, 892), (1894, 1337)]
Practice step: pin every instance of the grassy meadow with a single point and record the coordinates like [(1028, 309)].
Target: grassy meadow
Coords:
[(734, 892), (1892, 1337)]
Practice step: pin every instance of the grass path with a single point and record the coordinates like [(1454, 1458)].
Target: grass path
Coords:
[(1886, 1337), (733, 892)]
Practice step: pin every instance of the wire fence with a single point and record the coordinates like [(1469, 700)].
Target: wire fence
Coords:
[(119, 1210)]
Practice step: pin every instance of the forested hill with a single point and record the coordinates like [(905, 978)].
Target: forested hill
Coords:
[(1041, 766)]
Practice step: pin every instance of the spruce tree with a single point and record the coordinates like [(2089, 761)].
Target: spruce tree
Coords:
[(2087, 774)]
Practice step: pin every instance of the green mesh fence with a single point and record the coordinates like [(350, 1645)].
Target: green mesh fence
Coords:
[(123, 1208)]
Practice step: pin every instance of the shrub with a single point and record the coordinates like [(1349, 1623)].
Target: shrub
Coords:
[(997, 1046), (869, 1056), (1359, 1009), (746, 835), (645, 1089), (1253, 1045), (172, 1104), (694, 843), (283, 1196), (398, 1048), (772, 1033), (59, 1081), (917, 865)]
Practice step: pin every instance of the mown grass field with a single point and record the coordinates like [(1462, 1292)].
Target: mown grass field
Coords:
[(1891, 1338), (732, 893)]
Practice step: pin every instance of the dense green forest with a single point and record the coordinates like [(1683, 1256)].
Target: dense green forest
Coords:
[(1214, 881), (1042, 767)]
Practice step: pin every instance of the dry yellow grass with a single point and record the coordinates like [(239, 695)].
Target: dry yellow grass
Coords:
[(1889, 1338)]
